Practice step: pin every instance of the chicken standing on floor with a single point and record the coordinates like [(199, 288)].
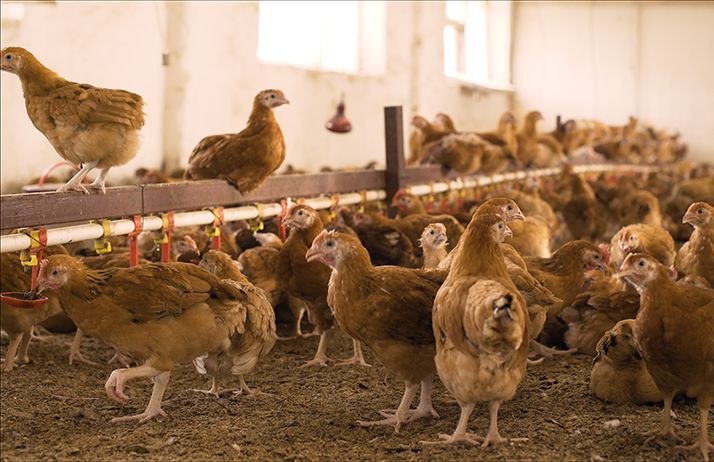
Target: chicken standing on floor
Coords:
[(257, 338), (307, 280), (161, 314), (481, 328), (389, 309), (248, 158), (95, 127), (696, 257), (674, 330)]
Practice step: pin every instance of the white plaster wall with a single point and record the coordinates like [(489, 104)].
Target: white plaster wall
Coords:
[(114, 45), (610, 60)]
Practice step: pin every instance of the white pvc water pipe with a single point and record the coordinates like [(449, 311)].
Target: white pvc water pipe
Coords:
[(90, 231)]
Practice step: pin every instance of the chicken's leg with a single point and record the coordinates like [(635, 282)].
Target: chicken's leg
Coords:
[(702, 443), (667, 429), (9, 362), (460, 432), (161, 381), (98, 183), (23, 355), (493, 437), (400, 416), (425, 407), (75, 184), (357, 357), (74, 349), (320, 358)]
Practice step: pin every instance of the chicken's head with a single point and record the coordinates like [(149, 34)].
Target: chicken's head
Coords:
[(185, 248), (14, 59), (508, 118), (330, 248), (592, 257), (404, 201), (444, 122), (501, 231), (300, 216), (56, 270), (698, 214), (434, 236), (419, 122), (618, 345), (504, 207), (629, 241), (640, 269), (362, 218), (271, 98), (534, 116), (217, 262), (268, 239)]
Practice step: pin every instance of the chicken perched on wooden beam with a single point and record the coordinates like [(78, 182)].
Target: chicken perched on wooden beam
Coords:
[(160, 314), (248, 158), (94, 127)]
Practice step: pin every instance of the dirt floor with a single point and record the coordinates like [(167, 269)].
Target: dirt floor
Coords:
[(53, 411)]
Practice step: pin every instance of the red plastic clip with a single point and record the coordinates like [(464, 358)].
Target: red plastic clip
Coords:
[(134, 241)]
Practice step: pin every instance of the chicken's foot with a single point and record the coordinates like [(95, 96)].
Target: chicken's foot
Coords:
[(41, 334), (23, 356), (320, 358), (547, 351), (74, 349), (98, 183), (396, 420), (75, 184), (161, 381), (357, 358), (120, 358), (425, 407), (702, 442), (460, 434), (9, 361), (667, 429), (493, 437)]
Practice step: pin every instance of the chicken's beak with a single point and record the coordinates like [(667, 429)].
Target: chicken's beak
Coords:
[(508, 232), (689, 218), (288, 222), (313, 253), (518, 216), (282, 100)]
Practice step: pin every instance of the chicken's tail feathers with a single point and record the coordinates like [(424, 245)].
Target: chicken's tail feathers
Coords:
[(200, 364)]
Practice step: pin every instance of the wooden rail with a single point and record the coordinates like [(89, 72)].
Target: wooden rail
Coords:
[(50, 208)]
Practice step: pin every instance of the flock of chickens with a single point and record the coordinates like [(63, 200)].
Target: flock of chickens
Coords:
[(472, 287)]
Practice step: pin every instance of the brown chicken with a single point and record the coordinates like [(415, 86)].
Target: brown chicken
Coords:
[(94, 127), (307, 280), (389, 309), (248, 158), (433, 241), (652, 240), (423, 133), (18, 322), (604, 302), (682, 196), (637, 207), (619, 374), (247, 346), (583, 214), (161, 314), (674, 331), (564, 275), (531, 237), (696, 257), (386, 244), (481, 328), (535, 149)]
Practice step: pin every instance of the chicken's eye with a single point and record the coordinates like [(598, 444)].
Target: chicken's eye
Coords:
[(700, 211), (641, 264), (55, 272), (509, 208), (596, 257), (431, 232), (8, 57), (330, 243), (272, 95), (300, 213)]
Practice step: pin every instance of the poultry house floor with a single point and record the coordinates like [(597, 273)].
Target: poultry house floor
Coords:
[(53, 411)]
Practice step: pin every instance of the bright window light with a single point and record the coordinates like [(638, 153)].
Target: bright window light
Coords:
[(346, 36), (477, 42)]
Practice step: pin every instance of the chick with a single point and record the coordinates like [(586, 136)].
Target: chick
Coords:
[(619, 374)]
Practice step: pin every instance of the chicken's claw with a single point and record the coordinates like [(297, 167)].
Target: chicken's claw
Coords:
[(77, 356), (321, 361), (72, 187), (143, 417), (120, 358), (469, 438), (115, 387), (704, 446), (354, 360), (100, 188), (390, 420)]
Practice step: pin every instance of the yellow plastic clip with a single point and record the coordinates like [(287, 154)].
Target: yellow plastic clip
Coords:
[(27, 257), (164, 239), (257, 224), (102, 245)]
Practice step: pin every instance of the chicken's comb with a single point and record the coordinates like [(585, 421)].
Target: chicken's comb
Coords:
[(398, 194)]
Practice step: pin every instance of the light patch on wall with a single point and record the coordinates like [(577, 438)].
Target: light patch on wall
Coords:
[(346, 37)]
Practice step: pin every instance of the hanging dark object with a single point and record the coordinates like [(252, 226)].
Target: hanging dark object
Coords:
[(339, 123)]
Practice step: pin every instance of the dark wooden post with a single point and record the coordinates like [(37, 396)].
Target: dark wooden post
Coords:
[(394, 144)]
